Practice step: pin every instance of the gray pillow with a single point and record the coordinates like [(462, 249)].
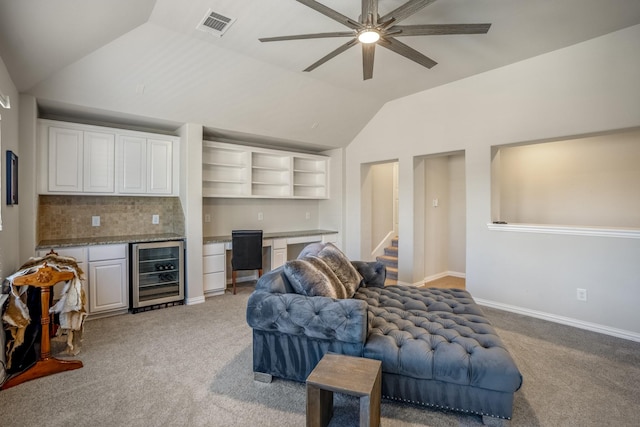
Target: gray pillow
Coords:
[(342, 267), (312, 277)]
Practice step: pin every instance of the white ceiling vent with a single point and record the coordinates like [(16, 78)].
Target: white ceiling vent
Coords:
[(215, 23)]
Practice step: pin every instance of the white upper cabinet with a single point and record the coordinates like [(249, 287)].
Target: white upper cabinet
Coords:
[(159, 166), (132, 152), (65, 160), (86, 159), (81, 161), (99, 162), (230, 170)]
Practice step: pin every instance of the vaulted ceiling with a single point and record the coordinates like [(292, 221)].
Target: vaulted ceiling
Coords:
[(144, 61)]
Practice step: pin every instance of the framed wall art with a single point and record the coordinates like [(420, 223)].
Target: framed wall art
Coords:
[(12, 178)]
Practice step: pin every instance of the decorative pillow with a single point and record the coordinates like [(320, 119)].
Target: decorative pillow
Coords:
[(342, 267), (312, 277)]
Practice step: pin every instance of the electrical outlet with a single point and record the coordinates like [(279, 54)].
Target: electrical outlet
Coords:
[(95, 221), (435, 203), (581, 294), (155, 219), (260, 216), (207, 218)]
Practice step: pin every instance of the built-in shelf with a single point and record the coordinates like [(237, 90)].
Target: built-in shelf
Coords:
[(230, 170)]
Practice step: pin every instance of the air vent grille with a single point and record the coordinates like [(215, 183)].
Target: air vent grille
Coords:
[(215, 23)]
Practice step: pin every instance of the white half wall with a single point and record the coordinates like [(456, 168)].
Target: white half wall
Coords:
[(588, 88)]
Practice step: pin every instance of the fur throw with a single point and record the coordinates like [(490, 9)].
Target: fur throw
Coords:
[(71, 307), (323, 270)]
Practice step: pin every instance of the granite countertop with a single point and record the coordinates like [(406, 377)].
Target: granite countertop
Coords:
[(272, 235), (106, 240)]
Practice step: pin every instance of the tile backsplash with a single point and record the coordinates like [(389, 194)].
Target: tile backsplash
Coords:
[(64, 217)]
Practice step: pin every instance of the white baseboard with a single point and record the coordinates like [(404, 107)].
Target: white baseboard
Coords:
[(196, 300), (594, 327), (457, 274)]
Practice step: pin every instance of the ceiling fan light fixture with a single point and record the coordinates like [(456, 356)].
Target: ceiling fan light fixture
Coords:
[(368, 36)]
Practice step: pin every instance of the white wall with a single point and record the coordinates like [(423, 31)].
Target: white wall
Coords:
[(457, 216), (587, 88), (331, 211), (191, 200), (9, 236), (436, 239), (277, 215)]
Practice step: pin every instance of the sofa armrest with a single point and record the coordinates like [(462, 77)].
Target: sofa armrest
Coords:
[(314, 317), (374, 273)]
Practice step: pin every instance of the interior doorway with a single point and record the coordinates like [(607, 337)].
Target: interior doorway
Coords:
[(439, 217), (379, 207)]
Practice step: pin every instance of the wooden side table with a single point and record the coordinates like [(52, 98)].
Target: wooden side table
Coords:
[(355, 376)]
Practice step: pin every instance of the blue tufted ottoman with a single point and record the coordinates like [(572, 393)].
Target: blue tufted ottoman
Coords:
[(438, 349)]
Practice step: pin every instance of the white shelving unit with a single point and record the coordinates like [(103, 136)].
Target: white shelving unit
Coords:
[(231, 170), (309, 178), (225, 170), (270, 174)]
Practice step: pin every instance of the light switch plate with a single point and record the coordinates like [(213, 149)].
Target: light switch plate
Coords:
[(155, 219), (95, 221)]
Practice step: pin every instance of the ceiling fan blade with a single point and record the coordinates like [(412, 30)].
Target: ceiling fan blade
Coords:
[(369, 12), (406, 10), (439, 29), (368, 52), (406, 51), (308, 36), (328, 12), (334, 53)]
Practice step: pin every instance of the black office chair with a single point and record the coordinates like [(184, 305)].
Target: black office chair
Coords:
[(246, 252)]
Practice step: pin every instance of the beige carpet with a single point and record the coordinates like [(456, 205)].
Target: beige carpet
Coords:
[(191, 366)]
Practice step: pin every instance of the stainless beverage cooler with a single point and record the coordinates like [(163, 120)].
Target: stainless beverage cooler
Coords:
[(157, 274)]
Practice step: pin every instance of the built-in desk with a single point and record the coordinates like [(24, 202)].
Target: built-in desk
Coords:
[(278, 248)]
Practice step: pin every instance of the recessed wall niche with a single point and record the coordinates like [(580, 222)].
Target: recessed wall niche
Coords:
[(586, 181)]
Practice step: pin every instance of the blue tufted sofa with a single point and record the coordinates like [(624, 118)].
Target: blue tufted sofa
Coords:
[(437, 348)]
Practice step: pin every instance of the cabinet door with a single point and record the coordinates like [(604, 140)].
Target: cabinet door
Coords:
[(279, 258), (108, 285), (213, 267), (65, 160), (132, 157), (99, 162), (159, 166)]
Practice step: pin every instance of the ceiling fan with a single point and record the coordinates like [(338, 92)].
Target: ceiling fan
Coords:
[(373, 29)]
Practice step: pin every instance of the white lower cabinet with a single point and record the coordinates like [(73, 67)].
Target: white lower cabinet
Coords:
[(106, 277), (108, 287), (279, 253), (213, 268)]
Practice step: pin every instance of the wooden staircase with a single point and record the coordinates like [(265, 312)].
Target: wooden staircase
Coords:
[(390, 261)]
